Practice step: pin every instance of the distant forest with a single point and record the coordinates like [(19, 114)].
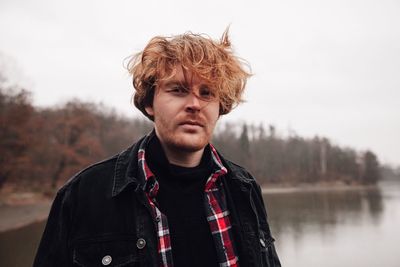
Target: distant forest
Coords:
[(42, 147)]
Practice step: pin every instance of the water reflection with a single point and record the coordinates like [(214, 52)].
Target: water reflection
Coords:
[(301, 212), (313, 228), (18, 247)]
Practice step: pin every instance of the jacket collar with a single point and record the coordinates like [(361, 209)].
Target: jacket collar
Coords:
[(127, 173), (126, 170)]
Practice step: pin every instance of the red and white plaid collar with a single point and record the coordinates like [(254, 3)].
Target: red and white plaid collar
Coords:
[(216, 211)]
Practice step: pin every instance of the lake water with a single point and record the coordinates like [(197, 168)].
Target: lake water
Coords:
[(337, 228), (318, 228)]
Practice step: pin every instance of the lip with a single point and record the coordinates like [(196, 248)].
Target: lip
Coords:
[(190, 122)]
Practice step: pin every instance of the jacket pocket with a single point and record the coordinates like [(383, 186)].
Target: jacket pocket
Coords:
[(268, 253), (106, 253)]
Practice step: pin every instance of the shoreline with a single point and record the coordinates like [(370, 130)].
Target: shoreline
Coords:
[(326, 187), (16, 217), (18, 210)]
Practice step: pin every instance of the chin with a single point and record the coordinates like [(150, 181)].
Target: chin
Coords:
[(190, 143)]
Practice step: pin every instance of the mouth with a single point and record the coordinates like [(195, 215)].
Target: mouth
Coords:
[(192, 122)]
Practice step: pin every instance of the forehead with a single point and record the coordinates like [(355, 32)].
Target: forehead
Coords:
[(183, 76)]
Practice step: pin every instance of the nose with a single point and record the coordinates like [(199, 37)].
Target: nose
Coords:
[(193, 103)]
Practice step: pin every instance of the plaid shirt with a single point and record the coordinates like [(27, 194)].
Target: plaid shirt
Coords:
[(215, 206)]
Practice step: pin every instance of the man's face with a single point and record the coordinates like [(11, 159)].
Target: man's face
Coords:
[(185, 112)]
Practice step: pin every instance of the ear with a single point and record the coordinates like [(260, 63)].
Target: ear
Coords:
[(149, 110)]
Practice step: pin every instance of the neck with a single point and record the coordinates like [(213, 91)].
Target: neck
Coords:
[(183, 158)]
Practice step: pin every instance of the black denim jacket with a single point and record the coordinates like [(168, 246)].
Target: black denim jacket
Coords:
[(101, 218)]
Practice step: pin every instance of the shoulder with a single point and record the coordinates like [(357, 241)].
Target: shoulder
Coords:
[(98, 178), (97, 171), (93, 183), (236, 171)]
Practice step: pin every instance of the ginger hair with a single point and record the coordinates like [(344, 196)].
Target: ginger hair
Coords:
[(213, 61)]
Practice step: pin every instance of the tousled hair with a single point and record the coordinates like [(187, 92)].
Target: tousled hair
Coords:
[(210, 60)]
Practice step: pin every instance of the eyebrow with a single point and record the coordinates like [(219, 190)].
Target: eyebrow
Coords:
[(183, 83), (174, 82)]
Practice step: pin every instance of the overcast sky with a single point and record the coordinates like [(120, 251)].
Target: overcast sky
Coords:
[(327, 68)]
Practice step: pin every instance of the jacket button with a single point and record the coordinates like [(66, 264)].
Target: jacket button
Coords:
[(141, 243), (106, 260), (262, 243)]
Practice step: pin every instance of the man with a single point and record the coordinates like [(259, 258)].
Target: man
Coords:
[(171, 199)]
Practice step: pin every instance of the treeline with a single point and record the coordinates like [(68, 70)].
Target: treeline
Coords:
[(390, 173), (293, 160), (42, 147)]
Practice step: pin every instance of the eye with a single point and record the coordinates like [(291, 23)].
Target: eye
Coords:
[(206, 94), (177, 89)]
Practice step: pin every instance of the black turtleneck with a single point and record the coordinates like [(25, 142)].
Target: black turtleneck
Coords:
[(181, 199)]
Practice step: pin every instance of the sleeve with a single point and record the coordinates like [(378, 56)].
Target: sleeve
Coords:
[(53, 247), (269, 254)]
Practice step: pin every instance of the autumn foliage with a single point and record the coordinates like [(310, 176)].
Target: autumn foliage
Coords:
[(40, 148)]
